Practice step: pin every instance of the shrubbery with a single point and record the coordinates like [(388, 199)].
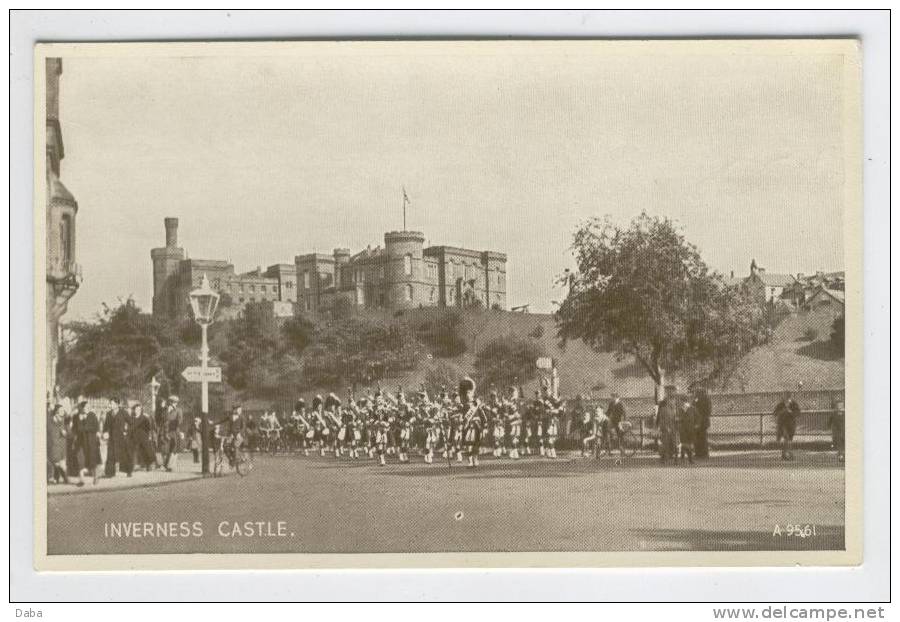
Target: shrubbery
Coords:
[(441, 333), (506, 361)]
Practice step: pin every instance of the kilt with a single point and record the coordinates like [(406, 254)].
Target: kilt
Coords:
[(473, 436)]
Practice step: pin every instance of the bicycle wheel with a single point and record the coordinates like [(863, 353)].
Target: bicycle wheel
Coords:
[(243, 463), (219, 464), (630, 443)]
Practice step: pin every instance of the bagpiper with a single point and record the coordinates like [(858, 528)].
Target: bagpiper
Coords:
[(302, 430), (513, 421), (334, 423), (497, 424), (403, 424), (551, 408), (472, 420), (320, 424)]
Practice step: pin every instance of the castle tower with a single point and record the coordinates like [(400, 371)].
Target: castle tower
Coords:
[(405, 267), (165, 270)]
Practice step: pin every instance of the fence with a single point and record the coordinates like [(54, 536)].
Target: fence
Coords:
[(737, 418)]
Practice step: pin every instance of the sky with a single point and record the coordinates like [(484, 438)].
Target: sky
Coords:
[(265, 158)]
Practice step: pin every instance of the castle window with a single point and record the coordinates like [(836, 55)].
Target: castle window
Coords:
[(409, 292), (407, 264), (381, 272), (289, 284), (431, 295), (253, 288), (65, 239), (306, 280), (217, 283)]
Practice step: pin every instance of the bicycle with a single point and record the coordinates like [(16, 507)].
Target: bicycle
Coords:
[(628, 443), (228, 456)]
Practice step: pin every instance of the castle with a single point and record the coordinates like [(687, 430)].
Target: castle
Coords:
[(402, 274)]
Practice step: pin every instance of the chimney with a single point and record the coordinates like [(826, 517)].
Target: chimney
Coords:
[(732, 274), (760, 271), (172, 232)]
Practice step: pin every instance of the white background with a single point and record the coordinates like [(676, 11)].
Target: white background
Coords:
[(866, 583)]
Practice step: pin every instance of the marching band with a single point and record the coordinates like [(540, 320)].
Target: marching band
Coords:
[(454, 424)]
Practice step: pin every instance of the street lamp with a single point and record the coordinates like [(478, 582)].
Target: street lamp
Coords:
[(154, 389), (203, 302)]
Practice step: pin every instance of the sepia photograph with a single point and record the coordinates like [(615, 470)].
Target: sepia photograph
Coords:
[(448, 303)]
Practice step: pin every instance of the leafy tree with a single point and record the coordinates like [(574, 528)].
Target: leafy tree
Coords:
[(253, 341), (442, 375), (117, 353), (837, 334), (359, 351), (442, 334), (507, 360), (299, 332), (645, 292)]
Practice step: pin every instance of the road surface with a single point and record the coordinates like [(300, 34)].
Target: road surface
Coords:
[(324, 505)]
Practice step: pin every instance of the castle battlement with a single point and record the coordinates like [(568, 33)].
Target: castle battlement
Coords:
[(402, 274)]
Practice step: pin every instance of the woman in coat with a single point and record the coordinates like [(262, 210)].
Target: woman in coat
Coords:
[(56, 444), (143, 430), (86, 429)]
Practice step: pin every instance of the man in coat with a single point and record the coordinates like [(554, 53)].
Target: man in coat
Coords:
[(86, 432), (687, 430), (704, 414), (173, 420), (118, 431), (786, 413), (615, 412), (666, 421)]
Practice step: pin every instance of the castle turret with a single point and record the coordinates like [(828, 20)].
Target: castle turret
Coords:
[(166, 261), (404, 274)]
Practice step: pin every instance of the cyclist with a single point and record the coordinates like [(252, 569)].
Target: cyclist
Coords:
[(596, 427), (270, 427), (231, 432)]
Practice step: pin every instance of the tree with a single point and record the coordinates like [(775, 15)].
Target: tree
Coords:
[(117, 353), (837, 334), (507, 360), (645, 292), (442, 333)]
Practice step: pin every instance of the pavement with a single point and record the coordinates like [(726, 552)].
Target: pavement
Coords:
[(184, 470), (733, 501)]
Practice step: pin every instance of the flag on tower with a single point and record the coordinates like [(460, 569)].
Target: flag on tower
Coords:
[(405, 197)]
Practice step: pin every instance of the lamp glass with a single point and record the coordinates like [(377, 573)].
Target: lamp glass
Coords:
[(204, 302)]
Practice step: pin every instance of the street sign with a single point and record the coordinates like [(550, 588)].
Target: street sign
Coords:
[(544, 362), (195, 374)]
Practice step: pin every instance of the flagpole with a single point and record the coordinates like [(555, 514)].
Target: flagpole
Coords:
[(403, 200)]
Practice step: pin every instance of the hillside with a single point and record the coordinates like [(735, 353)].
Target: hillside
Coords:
[(790, 358)]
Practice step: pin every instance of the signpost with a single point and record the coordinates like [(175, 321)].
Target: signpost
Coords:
[(198, 374)]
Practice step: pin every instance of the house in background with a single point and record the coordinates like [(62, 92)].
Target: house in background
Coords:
[(766, 287)]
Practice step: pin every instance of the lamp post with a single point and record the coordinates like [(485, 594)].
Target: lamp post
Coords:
[(203, 302), (154, 388)]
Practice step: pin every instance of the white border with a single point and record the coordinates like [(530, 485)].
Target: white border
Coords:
[(866, 583)]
